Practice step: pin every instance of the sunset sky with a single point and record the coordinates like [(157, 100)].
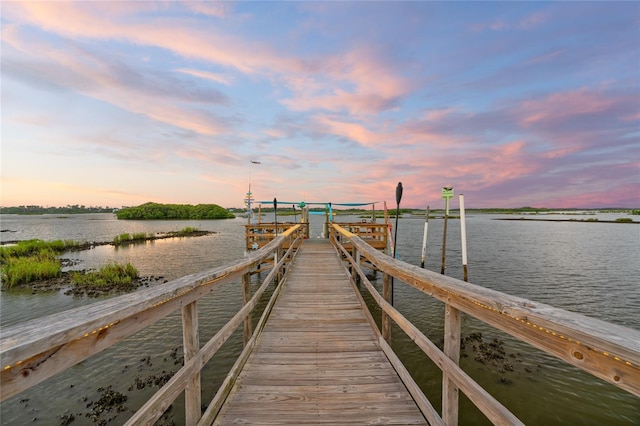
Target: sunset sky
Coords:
[(112, 103)]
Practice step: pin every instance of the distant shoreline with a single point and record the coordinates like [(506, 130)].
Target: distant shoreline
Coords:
[(566, 220)]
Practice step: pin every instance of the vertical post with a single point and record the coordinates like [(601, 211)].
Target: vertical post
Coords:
[(452, 350), (246, 296), (191, 343), (356, 260), (386, 295), (276, 259), (275, 214), (424, 237), (395, 237), (325, 229), (444, 238), (463, 236)]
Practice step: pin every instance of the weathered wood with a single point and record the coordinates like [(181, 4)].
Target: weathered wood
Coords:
[(214, 407), (317, 359), (36, 350), (386, 294), (159, 402), (246, 296), (489, 406), (452, 335), (606, 350), (191, 345)]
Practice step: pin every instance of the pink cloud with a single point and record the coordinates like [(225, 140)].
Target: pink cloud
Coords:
[(205, 75), (352, 131), (217, 9), (631, 117), (527, 23), (359, 81), (532, 21), (438, 114), (362, 84), (560, 106), (72, 19), (547, 57), (92, 76)]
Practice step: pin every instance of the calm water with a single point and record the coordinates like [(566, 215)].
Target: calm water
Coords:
[(591, 268)]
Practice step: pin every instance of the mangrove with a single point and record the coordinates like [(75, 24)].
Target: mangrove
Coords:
[(155, 211)]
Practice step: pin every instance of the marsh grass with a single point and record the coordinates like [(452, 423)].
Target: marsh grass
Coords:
[(187, 231), (132, 238), (624, 219), (113, 274), (31, 260), (35, 247), (23, 270)]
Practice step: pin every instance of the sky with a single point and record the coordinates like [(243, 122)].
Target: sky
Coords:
[(115, 103)]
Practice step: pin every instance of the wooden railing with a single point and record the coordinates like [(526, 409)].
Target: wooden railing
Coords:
[(610, 352), (259, 235), (374, 234), (34, 351)]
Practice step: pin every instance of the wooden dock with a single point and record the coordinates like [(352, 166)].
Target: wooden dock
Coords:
[(318, 360)]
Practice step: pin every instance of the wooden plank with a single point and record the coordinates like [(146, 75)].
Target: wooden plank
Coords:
[(318, 361)]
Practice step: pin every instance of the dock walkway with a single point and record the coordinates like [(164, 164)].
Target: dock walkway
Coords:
[(317, 360)]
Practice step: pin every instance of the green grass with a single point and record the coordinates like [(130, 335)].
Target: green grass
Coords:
[(187, 231), (34, 247), (624, 219), (112, 274), (127, 238), (31, 260), (35, 260), (23, 270)]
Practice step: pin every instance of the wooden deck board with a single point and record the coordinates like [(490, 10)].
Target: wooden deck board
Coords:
[(317, 360)]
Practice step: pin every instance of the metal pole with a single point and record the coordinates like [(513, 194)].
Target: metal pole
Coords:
[(444, 236), (463, 236), (275, 214), (424, 237), (395, 237)]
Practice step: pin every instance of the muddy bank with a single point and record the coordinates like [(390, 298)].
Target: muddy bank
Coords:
[(64, 282), (110, 405)]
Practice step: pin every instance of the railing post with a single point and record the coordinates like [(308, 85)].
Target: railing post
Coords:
[(452, 350), (191, 342), (246, 296), (386, 295), (276, 258), (356, 261)]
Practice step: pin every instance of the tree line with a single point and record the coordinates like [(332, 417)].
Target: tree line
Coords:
[(155, 211), (69, 209)]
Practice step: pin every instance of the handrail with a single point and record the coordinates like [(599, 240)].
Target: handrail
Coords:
[(38, 349), (608, 351)]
